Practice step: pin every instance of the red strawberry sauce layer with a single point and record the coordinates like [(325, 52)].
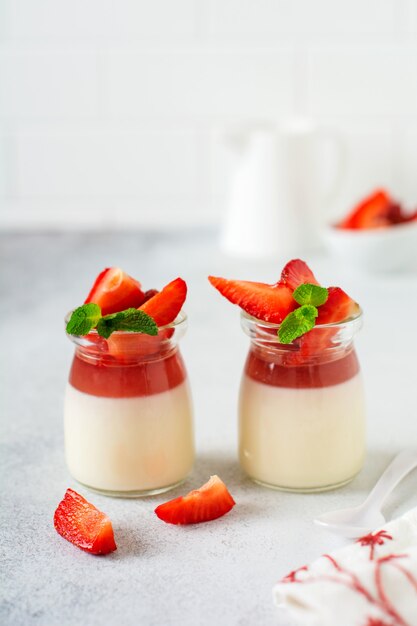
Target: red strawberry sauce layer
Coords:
[(117, 380), (302, 376)]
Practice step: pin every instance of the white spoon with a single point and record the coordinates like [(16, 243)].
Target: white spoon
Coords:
[(366, 517)]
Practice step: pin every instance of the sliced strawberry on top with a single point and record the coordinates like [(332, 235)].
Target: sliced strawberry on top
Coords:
[(296, 273), (165, 305), (372, 212), (115, 291), (82, 524), (337, 308), (270, 303), (149, 294), (209, 502)]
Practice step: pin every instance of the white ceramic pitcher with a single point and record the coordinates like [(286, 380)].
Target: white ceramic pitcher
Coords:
[(277, 203)]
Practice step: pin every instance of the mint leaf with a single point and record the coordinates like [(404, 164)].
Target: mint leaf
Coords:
[(297, 323), (131, 320), (310, 294), (83, 319)]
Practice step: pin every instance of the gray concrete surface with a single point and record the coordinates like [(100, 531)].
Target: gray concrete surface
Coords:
[(217, 573)]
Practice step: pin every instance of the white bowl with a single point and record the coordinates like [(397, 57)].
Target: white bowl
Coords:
[(375, 250)]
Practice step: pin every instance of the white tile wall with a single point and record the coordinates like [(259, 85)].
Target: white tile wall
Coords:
[(199, 87), (3, 167), (275, 19), (111, 111), (360, 80), (87, 21), (106, 162), (48, 85), (369, 164), (407, 165)]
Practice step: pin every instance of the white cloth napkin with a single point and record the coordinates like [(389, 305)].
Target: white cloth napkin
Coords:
[(372, 582)]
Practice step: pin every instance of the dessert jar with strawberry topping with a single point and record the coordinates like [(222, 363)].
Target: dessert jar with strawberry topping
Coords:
[(301, 404), (128, 411), (301, 407)]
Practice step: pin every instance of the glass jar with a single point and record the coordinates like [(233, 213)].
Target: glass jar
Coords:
[(128, 414), (301, 407)]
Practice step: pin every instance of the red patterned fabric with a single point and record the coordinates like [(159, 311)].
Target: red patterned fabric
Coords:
[(370, 583)]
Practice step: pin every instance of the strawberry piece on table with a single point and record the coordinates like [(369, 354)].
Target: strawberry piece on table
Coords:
[(115, 291), (165, 305), (209, 502), (373, 212), (82, 524), (296, 273), (270, 303)]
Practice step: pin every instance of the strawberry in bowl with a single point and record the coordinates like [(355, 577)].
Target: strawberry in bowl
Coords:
[(128, 413), (301, 406), (377, 235)]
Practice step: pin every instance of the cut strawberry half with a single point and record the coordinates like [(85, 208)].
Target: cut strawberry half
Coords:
[(209, 502), (270, 303), (296, 273), (398, 216), (338, 307), (115, 291), (165, 305), (82, 524), (378, 210), (372, 212), (149, 294)]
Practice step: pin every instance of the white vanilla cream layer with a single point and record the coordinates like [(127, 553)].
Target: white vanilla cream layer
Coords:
[(129, 444), (302, 438)]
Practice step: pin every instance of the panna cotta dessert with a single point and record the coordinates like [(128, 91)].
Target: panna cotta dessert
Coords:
[(128, 413), (301, 404)]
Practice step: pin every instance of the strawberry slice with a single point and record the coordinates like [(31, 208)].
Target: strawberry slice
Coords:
[(270, 303), (398, 216), (372, 212), (82, 524), (378, 210), (296, 273), (165, 305), (338, 307), (149, 294), (212, 500), (114, 291)]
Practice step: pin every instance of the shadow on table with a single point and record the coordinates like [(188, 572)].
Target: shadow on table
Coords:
[(377, 460), (225, 465)]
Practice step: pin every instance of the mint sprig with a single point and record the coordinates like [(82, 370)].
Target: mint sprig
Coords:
[(131, 320), (310, 294), (303, 319), (297, 323), (88, 316), (84, 319)]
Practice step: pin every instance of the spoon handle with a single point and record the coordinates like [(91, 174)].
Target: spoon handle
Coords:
[(401, 465)]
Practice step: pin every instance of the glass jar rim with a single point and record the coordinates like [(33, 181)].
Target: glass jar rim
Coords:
[(353, 320), (333, 339)]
